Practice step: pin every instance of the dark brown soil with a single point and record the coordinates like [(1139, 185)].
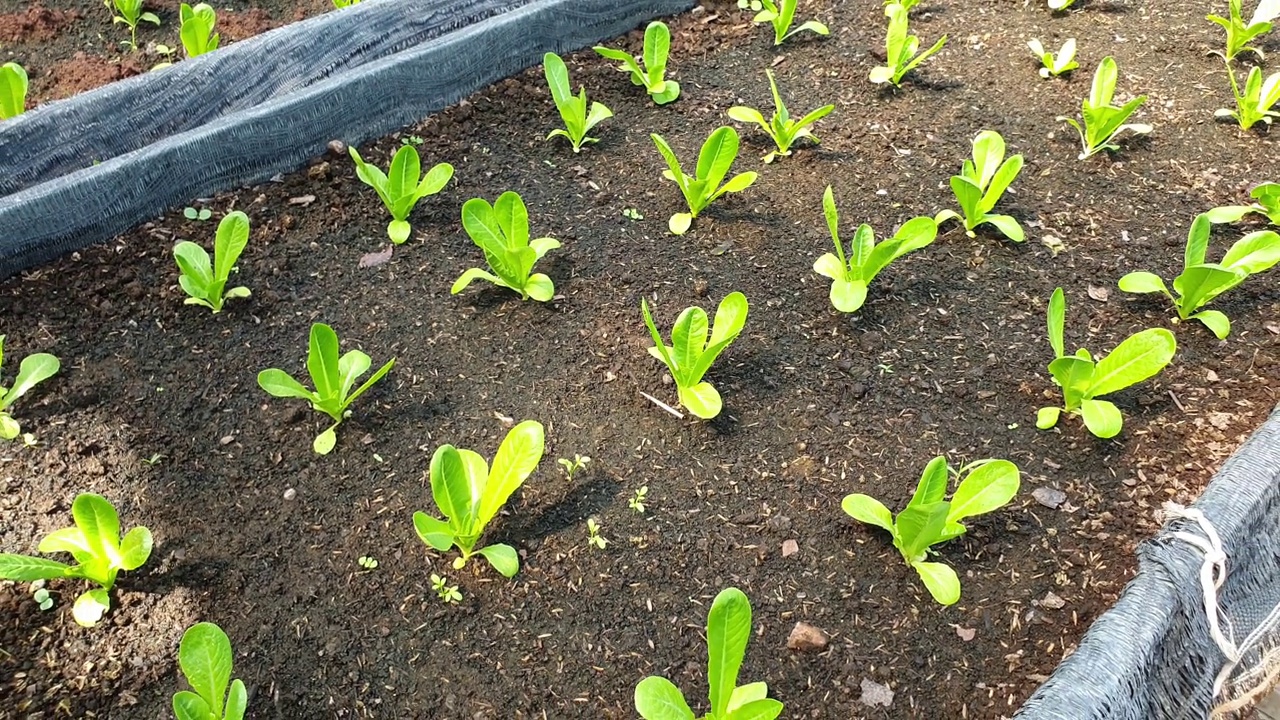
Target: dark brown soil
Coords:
[(74, 46), (948, 357)]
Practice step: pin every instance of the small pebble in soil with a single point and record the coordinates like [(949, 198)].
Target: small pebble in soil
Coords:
[(1049, 497), (790, 547), (873, 693), (337, 147), (807, 638), (1052, 602), (290, 494)]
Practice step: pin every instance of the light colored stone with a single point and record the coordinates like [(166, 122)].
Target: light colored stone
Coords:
[(807, 638), (790, 547), (873, 693)]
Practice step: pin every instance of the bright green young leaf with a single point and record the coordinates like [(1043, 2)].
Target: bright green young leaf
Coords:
[(657, 698), (940, 580), (33, 370), (196, 30), (1102, 121), (867, 509), (781, 14), (900, 48), (401, 187), (691, 353), (13, 90), (1102, 418), (982, 183), (578, 120), (657, 44), (714, 162), (205, 280), (780, 128)]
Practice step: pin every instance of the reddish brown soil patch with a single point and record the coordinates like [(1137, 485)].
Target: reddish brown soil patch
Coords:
[(35, 24), (243, 25), (85, 72)]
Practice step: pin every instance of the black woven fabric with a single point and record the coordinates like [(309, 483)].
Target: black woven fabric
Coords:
[(264, 106)]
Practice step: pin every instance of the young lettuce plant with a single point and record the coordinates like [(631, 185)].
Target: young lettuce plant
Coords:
[(850, 275), (714, 161), (1239, 34), (13, 90), (1268, 203), (130, 13), (1201, 282), (1054, 66), (502, 231), (900, 48), (401, 188), (34, 369), (196, 30), (99, 553), (204, 280), (984, 486), (690, 354), (333, 377), (470, 493), (1103, 122), (657, 43), (573, 110), (1254, 105), (205, 658), (781, 15), (1083, 380), (1060, 5), (728, 630), (781, 128), (981, 183)]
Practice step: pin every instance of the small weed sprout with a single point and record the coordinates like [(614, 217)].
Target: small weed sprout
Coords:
[(13, 90), (129, 12), (153, 460), (1055, 65), (448, 594), (43, 599), (637, 500), (593, 535), (579, 462), (367, 562), (193, 214)]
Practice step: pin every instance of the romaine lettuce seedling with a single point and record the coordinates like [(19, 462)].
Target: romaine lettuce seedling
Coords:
[(13, 90), (196, 31), (1054, 66), (205, 658), (657, 43), (728, 630), (1268, 203), (204, 280), (502, 231), (401, 188), (690, 354), (1103, 122), (99, 553), (981, 183), (714, 161), (1255, 104), (470, 493), (333, 377), (573, 110), (1201, 282), (851, 274), (900, 48), (1059, 5), (1239, 35), (984, 486), (130, 13), (34, 369), (781, 128), (906, 4), (781, 15), (1083, 380)]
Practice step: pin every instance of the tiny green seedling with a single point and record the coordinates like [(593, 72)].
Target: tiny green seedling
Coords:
[(43, 599), (1055, 65), (657, 43), (578, 121), (333, 377), (781, 128), (367, 562), (781, 15), (593, 535), (130, 13), (34, 369), (345, 3), (714, 161), (205, 280), (851, 274), (205, 658), (501, 230), (13, 90), (1268, 203), (728, 630), (1255, 104), (578, 462), (981, 183), (448, 594), (984, 486), (193, 214), (1083, 380), (1104, 122), (691, 353), (470, 493), (1239, 34), (632, 214), (100, 555), (637, 499), (900, 48), (401, 187), (1201, 282), (412, 140), (196, 31)]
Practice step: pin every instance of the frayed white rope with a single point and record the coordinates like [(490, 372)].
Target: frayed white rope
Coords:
[(1213, 572)]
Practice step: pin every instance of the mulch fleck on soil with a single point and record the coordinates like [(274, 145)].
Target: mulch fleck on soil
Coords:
[(259, 535)]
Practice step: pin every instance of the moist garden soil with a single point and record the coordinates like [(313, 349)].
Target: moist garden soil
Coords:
[(158, 409), (70, 46)]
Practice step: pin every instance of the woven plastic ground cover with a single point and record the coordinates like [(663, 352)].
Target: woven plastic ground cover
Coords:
[(83, 170), (1152, 657)]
